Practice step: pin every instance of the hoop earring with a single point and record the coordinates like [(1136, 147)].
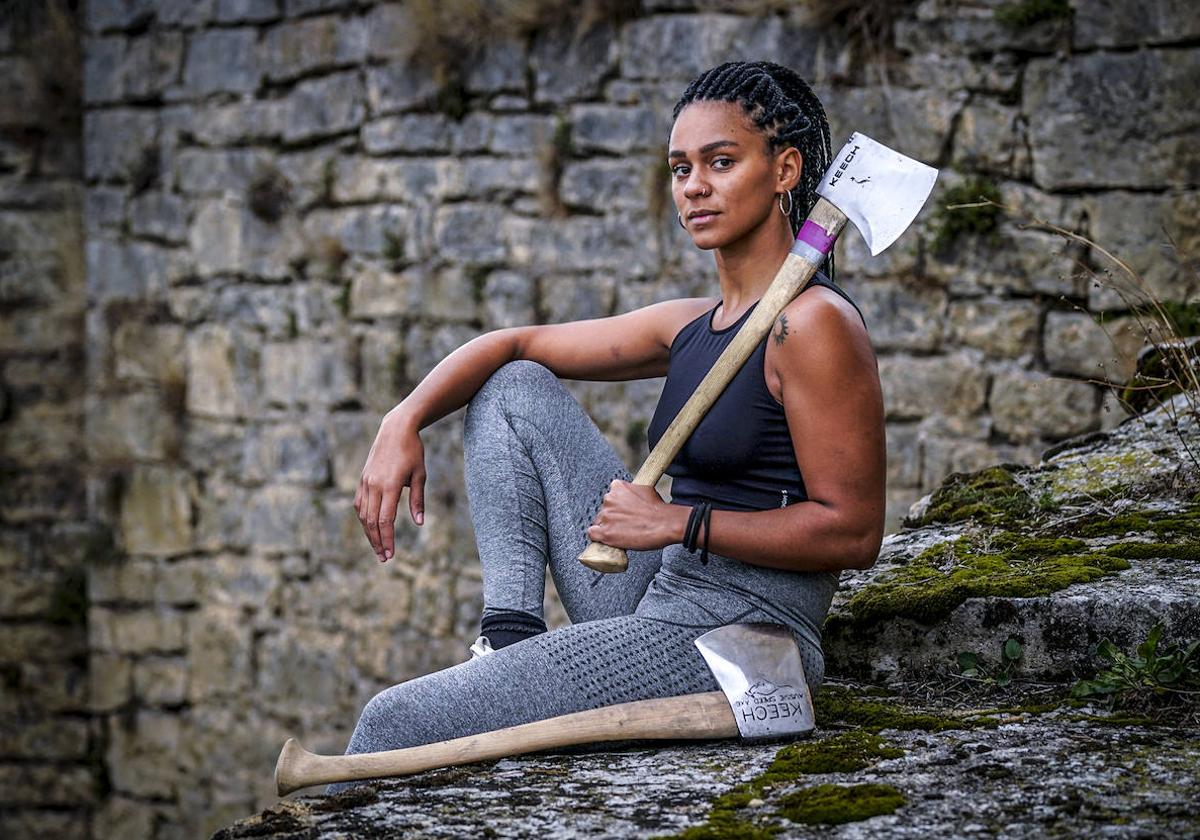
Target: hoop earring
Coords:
[(679, 216), (788, 212)]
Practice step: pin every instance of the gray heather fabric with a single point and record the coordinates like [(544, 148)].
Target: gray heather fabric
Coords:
[(537, 469)]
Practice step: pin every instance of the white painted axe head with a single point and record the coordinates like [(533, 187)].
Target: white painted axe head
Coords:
[(759, 669), (880, 190)]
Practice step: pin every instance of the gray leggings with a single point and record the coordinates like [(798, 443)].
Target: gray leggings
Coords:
[(537, 469)]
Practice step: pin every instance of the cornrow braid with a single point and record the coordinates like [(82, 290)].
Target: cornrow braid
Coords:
[(784, 108)]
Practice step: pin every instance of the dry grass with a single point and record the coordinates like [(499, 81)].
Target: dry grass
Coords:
[(1174, 367)]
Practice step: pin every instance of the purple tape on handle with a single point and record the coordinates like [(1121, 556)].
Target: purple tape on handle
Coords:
[(813, 234)]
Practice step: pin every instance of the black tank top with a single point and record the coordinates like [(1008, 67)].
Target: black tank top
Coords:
[(740, 456)]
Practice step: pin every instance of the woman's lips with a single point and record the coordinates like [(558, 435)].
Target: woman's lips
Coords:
[(702, 217)]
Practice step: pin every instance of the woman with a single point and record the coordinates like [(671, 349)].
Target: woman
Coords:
[(791, 456)]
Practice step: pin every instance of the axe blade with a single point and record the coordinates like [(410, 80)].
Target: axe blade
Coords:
[(877, 188), (759, 669)]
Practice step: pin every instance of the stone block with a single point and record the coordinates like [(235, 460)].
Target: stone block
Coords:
[(296, 48), (138, 631), (43, 436), (227, 123), (226, 237), (488, 178), (407, 180), (308, 372), (568, 297), (121, 816), (160, 680), (129, 427), (148, 352), (118, 69), (212, 172), (998, 327), (184, 582), (916, 386), (426, 345), (279, 519), (1026, 405), (57, 739), (222, 61), (156, 510), (508, 300), (569, 68), (129, 271), (599, 184), (976, 30), (500, 68), (1112, 23), (324, 106), (617, 129), (521, 134), (18, 92), (1138, 228), (103, 209), (409, 133), (914, 121), (143, 755), (369, 231), (221, 512), (351, 436), (302, 668), (902, 315), (127, 14), (288, 452), (378, 293), (683, 46), (583, 243), (246, 11), (1079, 110), (159, 215), (212, 379), (992, 138), (110, 681), (47, 785), (472, 234), (219, 643), (399, 86), (1076, 343), (903, 456)]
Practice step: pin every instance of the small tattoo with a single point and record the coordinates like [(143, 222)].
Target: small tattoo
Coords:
[(780, 334)]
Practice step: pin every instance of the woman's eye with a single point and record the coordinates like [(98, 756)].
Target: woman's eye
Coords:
[(722, 163), (679, 171)]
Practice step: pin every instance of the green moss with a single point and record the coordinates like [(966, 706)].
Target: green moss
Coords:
[(1105, 476), (1183, 318), (1007, 565), (836, 804), (293, 326), (1156, 550), (393, 246), (1029, 12), (1183, 526), (841, 754), (990, 495), (69, 600), (344, 300), (838, 705), (949, 224)]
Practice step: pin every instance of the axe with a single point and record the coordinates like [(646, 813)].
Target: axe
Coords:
[(764, 696), (878, 189)]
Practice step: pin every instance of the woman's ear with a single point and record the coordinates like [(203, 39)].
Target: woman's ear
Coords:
[(789, 163)]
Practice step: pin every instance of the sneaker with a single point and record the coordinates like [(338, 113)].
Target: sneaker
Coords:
[(482, 647)]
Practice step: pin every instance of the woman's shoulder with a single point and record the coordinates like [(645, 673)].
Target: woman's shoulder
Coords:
[(680, 312), (817, 322)]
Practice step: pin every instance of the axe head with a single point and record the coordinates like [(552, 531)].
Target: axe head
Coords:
[(880, 190), (759, 669)]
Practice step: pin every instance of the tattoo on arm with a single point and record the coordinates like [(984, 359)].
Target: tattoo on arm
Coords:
[(781, 330)]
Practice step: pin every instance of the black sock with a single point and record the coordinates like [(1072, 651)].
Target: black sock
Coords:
[(503, 629)]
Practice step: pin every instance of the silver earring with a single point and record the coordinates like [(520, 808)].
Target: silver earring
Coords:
[(788, 212)]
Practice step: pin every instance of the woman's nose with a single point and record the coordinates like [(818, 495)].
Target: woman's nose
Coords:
[(695, 187)]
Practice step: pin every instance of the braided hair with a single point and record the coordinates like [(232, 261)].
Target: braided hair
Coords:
[(784, 108)]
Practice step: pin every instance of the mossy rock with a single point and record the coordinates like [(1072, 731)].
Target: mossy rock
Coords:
[(837, 804), (992, 495), (1001, 565)]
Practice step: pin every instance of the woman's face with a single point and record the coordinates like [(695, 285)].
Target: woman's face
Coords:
[(724, 179)]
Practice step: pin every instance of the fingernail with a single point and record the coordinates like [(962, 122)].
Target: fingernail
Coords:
[(387, 554), (421, 518)]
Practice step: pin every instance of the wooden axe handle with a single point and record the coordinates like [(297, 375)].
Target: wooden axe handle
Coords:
[(789, 280), (689, 716)]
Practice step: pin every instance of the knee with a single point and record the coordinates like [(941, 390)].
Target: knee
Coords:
[(521, 379), (373, 731)]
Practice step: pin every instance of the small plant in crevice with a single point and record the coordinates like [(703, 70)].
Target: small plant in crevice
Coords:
[(1031, 12), (1157, 674), (971, 666), (978, 199), (552, 159)]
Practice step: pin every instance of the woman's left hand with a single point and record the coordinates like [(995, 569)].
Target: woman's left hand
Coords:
[(633, 517)]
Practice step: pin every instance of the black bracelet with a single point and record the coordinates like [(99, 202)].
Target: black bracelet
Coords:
[(707, 519), (693, 529)]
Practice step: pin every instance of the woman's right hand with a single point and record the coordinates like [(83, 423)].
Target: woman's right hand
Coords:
[(396, 461)]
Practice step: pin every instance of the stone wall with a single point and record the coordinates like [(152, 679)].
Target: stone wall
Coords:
[(287, 222), (50, 772)]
